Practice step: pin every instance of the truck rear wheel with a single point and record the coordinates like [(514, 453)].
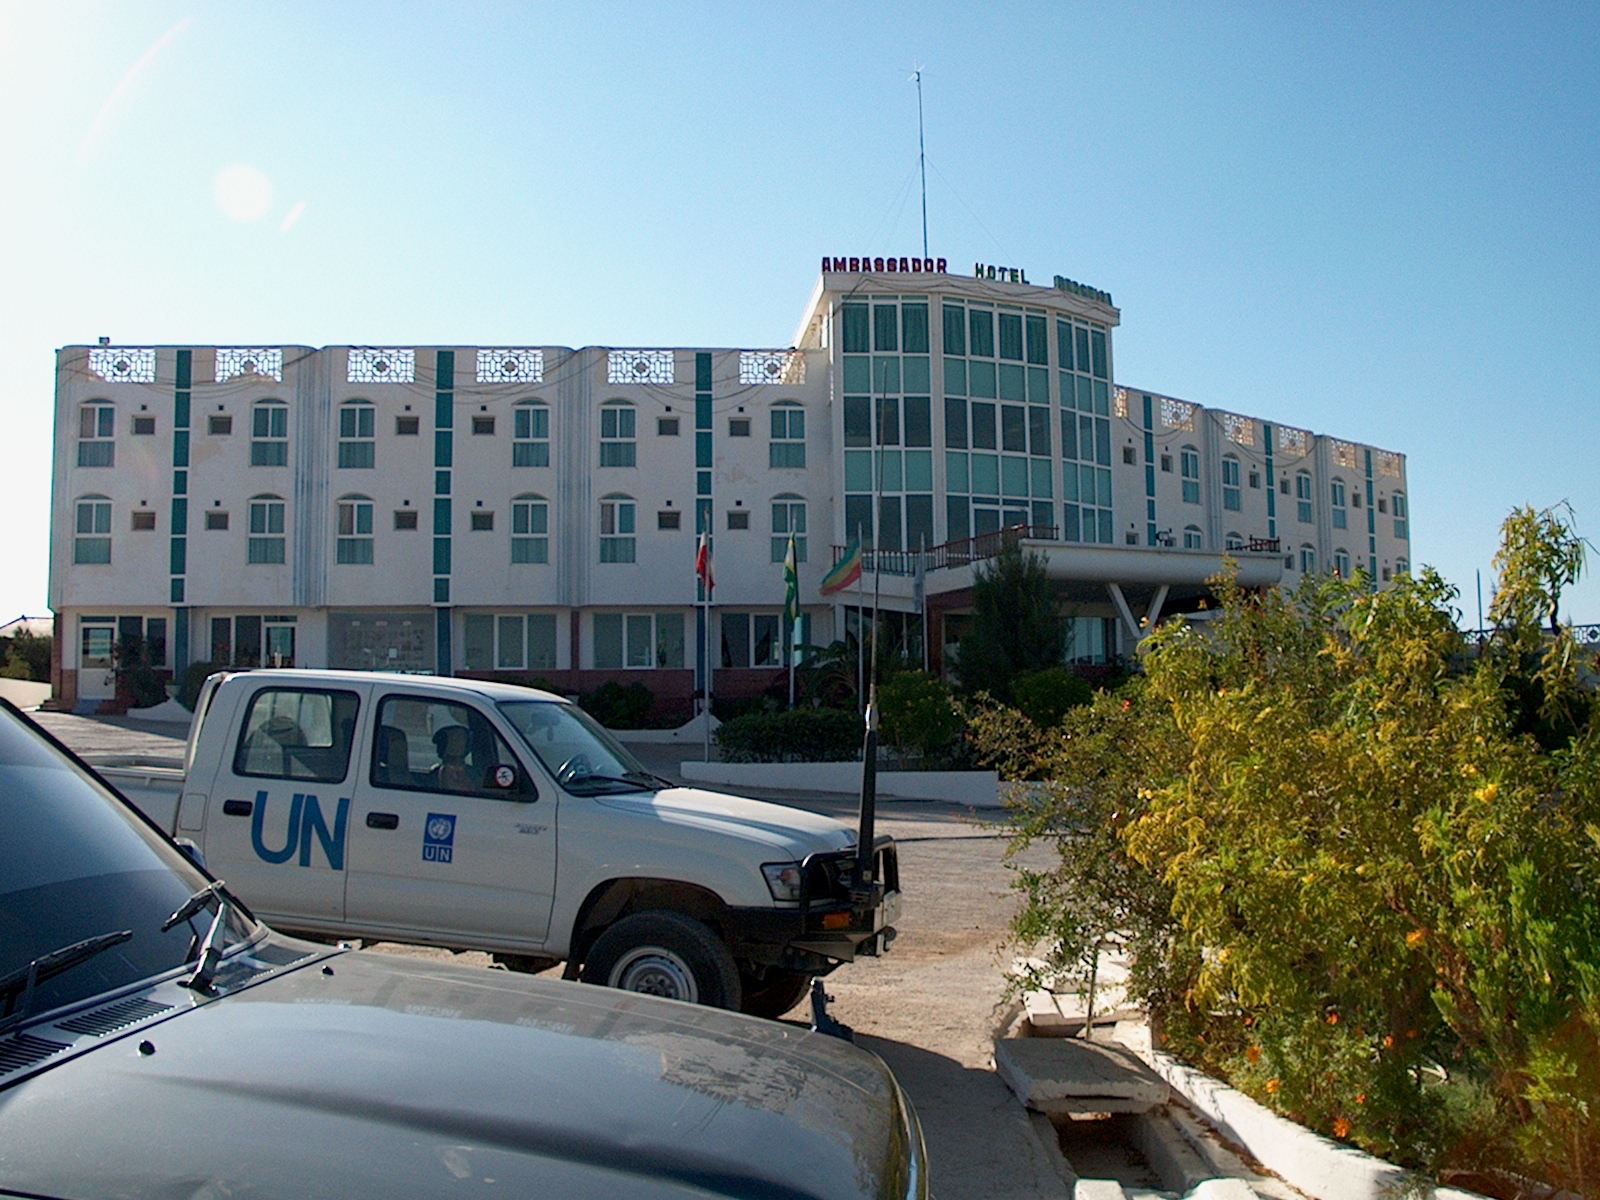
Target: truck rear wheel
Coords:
[(665, 954), (775, 993)]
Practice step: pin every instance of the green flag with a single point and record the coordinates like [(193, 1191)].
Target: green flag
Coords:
[(791, 583)]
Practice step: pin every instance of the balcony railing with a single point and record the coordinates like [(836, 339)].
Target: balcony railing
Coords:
[(965, 551)]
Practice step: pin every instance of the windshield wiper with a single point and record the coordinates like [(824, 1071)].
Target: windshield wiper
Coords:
[(213, 890), (23, 980), (649, 777)]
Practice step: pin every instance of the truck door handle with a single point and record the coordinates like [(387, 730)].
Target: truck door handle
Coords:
[(377, 820), (238, 808)]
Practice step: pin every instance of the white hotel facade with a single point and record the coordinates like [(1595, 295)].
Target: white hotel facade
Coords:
[(532, 512)]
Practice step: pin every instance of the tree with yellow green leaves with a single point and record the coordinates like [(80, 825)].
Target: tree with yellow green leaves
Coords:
[(1358, 876)]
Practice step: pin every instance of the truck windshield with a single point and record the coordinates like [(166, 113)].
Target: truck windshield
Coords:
[(75, 864), (576, 749)]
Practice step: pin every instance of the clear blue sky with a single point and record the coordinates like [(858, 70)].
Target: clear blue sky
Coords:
[(1380, 225)]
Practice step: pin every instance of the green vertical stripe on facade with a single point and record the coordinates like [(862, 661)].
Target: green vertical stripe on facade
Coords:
[(702, 449), (441, 515), (178, 550), (441, 556), (1149, 471), (443, 446), (444, 404), (1272, 484)]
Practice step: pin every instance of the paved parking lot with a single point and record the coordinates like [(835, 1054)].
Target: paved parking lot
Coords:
[(929, 1008)]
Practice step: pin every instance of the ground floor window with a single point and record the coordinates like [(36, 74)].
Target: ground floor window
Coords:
[(381, 641), (251, 640), (1088, 639), (97, 634), (509, 641), (638, 641)]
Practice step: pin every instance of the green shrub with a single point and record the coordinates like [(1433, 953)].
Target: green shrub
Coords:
[(799, 735), (1045, 697), (917, 715), (189, 683), (619, 706), (26, 656), (1357, 869), (137, 677)]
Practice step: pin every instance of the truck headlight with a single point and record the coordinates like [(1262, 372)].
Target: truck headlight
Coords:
[(784, 880)]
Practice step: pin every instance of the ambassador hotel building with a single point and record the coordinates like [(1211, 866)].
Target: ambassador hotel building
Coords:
[(532, 512)]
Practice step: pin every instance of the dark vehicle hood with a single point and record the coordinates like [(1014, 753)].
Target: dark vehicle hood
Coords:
[(402, 1077)]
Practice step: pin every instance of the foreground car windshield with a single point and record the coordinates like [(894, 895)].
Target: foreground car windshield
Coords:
[(76, 864), (576, 749)]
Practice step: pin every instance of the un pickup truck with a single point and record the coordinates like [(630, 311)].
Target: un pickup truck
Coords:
[(482, 816)]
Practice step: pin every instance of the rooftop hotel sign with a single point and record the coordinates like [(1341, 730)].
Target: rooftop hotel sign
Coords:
[(882, 266)]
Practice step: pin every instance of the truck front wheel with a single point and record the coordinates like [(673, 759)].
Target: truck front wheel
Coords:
[(775, 992), (665, 954)]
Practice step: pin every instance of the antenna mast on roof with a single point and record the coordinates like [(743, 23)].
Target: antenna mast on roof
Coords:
[(922, 161)]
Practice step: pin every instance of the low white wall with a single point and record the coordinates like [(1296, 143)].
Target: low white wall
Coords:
[(24, 693), (980, 789), (692, 732), (1317, 1166)]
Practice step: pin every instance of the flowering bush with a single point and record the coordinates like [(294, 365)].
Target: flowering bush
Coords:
[(1358, 869)]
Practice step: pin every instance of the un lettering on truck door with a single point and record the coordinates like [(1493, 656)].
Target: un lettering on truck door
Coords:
[(282, 835)]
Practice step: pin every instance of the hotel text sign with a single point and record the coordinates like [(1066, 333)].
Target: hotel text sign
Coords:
[(880, 266)]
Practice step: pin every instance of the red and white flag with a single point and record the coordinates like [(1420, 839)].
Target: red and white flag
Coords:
[(702, 563)]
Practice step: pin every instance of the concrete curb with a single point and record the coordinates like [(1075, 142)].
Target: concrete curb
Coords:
[(1317, 1166)]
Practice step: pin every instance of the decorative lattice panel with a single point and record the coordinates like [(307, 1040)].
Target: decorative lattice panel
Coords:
[(772, 366), (1239, 429), (1344, 455), (1119, 402), (370, 364), (1389, 464), (238, 361), (510, 366), (640, 366), (1293, 441), (117, 364), (1175, 414)]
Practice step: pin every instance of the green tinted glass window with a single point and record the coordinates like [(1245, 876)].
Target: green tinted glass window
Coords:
[(955, 330), (854, 337), (1011, 336), (885, 327), (980, 323), (914, 328)]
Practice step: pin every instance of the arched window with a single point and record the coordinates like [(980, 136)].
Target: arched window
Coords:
[(1336, 498), (1402, 566), (1341, 563), (1400, 530), (617, 433), (788, 447), (1192, 538), (269, 434), (1233, 541), (357, 420), (1308, 559), (530, 529), (1302, 496), (530, 434), (266, 529), (1230, 482), (617, 528), (91, 542), (788, 520), (354, 544), (97, 430), (1190, 461)]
